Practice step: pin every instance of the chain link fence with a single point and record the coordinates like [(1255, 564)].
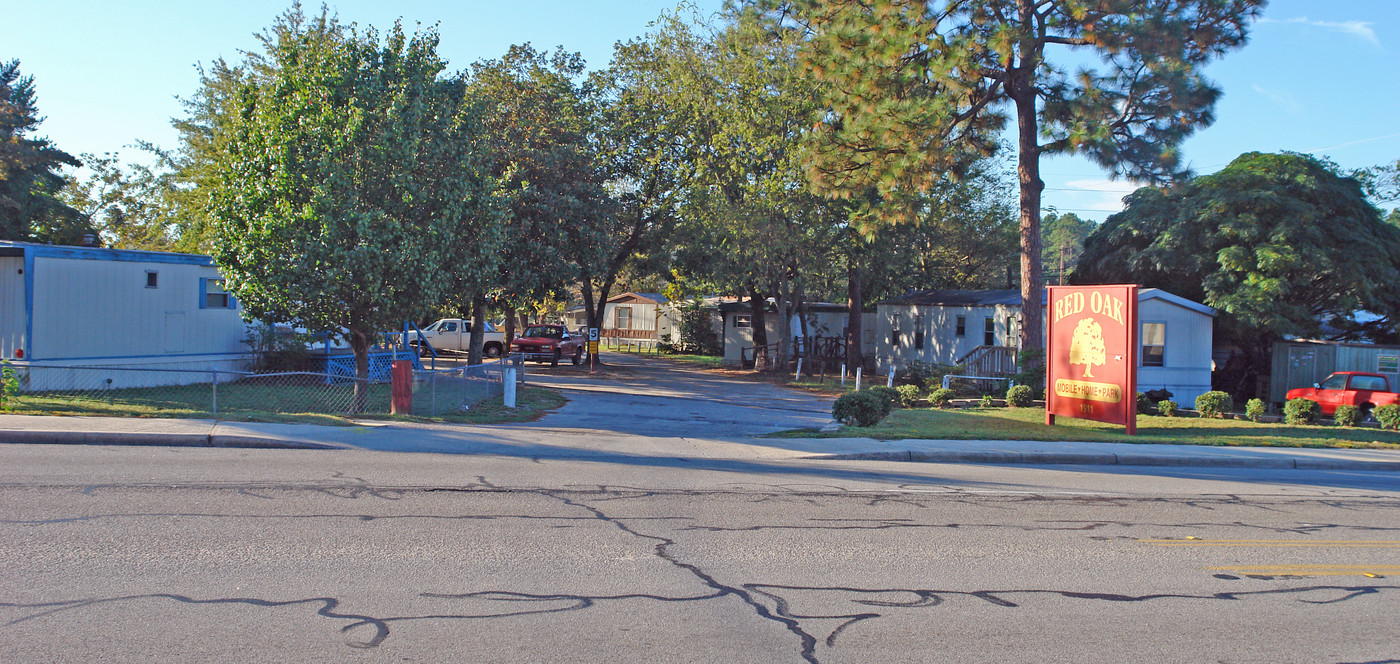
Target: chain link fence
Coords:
[(139, 391), (456, 390)]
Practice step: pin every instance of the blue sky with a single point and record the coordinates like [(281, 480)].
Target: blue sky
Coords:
[(1317, 77)]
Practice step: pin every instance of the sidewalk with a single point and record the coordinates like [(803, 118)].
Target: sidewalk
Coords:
[(541, 442)]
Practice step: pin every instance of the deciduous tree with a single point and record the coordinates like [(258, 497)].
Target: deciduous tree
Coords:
[(345, 183), (1280, 243)]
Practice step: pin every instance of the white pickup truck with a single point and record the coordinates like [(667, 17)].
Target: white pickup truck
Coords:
[(455, 334)]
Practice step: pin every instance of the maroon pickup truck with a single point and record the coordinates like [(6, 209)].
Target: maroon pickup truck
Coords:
[(1349, 388), (549, 343)]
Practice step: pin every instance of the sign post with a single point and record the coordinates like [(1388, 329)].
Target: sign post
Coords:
[(592, 348), (1092, 354)]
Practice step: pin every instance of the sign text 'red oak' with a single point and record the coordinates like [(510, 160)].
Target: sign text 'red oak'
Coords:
[(1091, 354)]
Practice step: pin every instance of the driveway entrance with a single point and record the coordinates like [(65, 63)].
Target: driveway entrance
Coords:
[(642, 395)]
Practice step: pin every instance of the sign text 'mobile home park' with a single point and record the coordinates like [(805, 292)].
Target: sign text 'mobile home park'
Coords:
[(1091, 354)]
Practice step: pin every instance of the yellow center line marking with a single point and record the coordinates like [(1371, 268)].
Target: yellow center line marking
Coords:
[(1311, 570), (1313, 543)]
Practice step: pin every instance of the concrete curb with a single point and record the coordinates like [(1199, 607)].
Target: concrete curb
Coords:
[(1111, 459), (156, 439)]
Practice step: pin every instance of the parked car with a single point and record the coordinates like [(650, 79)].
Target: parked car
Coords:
[(549, 343), (1349, 388), (455, 334)]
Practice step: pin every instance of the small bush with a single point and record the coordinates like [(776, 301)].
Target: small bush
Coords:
[(1254, 409), (1167, 408), (909, 395), (917, 373), (1020, 396), (1032, 370), (1388, 415), (9, 385), (887, 396), (1144, 405), (1347, 416), (1214, 404), (986, 401), (940, 397), (1301, 411), (861, 409)]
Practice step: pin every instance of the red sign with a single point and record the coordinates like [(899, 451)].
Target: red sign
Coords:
[(1091, 354)]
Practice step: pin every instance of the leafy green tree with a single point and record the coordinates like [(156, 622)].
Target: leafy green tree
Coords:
[(751, 223), (1280, 243), (539, 112), (131, 207), (918, 90), (346, 187), (1062, 242), (30, 182)]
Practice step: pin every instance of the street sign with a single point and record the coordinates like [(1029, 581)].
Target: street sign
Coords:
[(593, 348), (1091, 354), (592, 334)]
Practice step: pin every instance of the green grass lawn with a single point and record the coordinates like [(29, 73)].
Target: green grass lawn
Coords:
[(253, 402), (1029, 424), (706, 361)]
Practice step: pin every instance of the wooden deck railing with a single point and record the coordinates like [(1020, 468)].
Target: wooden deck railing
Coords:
[(989, 361)]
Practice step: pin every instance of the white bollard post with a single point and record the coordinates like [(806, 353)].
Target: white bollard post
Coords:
[(889, 382), (858, 370), (843, 375), (799, 370), (508, 382)]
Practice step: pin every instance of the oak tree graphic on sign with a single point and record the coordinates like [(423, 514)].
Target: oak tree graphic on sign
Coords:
[(1086, 346)]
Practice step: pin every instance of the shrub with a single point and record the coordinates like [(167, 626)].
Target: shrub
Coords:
[(1347, 416), (1032, 370), (1167, 408), (1020, 396), (917, 373), (1388, 415), (986, 401), (9, 385), (1144, 405), (1214, 404), (940, 397), (1301, 411), (1254, 409), (698, 336), (862, 409), (887, 396), (909, 395)]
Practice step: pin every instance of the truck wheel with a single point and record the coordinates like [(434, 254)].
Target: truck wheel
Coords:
[(555, 361), (578, 356), (492, 350), (1367, 416)]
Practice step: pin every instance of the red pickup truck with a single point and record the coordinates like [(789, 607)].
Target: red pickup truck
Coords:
[(549, 343), (1349, 388)]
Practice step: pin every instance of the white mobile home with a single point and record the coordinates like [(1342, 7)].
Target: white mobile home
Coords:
[(83, 306), (955, 327)]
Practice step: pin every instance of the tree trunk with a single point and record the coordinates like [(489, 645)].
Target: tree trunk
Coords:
[(478, 335), (1022, 91), (799, 298), (783, 290), (854, 304), (758, 326), (596, 308), (359, 343), (510, 326)]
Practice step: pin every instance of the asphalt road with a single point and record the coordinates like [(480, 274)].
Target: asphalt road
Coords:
[(196, 554), (643, 396)]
